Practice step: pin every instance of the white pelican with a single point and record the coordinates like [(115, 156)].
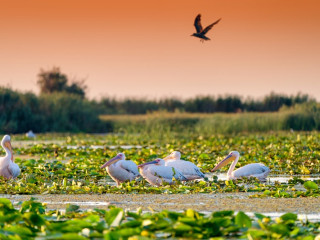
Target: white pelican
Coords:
[(188, 169), (257, 170), (8, 168), (155, 172), (121, 170)]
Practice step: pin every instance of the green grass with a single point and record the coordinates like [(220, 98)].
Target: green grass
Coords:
[(166, 124), (301, 117)]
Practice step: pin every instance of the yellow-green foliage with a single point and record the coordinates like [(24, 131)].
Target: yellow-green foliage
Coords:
[(300, 117), (72, 164), (33, 221)]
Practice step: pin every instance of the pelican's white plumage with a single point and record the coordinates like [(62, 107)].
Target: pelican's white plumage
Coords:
[(8, 168), (257, 170), (188, 169), (155, 172), (121, 170)]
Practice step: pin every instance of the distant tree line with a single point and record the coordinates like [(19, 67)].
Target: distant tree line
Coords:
[(63, 107), (202, 104), (54, 81)]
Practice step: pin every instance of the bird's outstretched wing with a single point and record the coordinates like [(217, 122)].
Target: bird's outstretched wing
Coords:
[(210, 26), (197, 23)]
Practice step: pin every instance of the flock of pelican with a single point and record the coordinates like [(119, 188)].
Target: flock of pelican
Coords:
[(172, 167), (156, 172)]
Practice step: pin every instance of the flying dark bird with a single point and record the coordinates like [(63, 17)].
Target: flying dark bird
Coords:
[(202, 32)]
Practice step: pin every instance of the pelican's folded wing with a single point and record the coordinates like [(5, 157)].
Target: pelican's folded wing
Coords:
[(162, 172), (130, 166), (14, 170), (187, 168)]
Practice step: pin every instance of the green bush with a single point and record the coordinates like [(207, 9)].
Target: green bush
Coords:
[(69, 113), (56, 112), (19, 112), (304, 116)]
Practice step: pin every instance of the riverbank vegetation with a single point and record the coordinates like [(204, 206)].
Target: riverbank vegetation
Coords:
[(65, 112), (62, 106), (302, 117)]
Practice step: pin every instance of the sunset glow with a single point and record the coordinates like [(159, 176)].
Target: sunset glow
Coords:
[(143, 48)]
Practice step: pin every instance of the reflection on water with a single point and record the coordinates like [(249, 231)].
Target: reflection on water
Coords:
[(125, 147), (271, 178), (97, 147), (311, 217), (107, 182), (27, 143), (73, 147), (285, 179), (73, 203), (82, 203)]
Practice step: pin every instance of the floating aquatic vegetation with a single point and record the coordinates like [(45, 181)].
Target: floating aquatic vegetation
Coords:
[(32, 221), (55, 167)]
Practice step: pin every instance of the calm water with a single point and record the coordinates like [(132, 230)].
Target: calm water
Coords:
[(271, 178), (125, 147), (314, 217)]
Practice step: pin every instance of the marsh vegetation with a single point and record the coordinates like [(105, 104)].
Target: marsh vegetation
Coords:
[(61, 111), (69, 164)]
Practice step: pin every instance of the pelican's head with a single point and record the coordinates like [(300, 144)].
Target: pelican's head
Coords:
[(158, 162), (120, 156), (230, 158), (173, 155), (6, 142)]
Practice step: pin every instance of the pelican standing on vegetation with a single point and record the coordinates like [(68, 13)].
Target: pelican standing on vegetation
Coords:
[(155, 172), (257, 170), (121, 170), (8, 168), (188, 169), (201, 33)]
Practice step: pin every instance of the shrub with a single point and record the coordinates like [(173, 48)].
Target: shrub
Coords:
[(58, 112)]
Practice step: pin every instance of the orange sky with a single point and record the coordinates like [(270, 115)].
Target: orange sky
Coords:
[(144, 48)]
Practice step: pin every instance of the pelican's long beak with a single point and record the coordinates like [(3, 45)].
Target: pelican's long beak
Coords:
[(224, 162), (147, 163), (168, 157), (113, 160)]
